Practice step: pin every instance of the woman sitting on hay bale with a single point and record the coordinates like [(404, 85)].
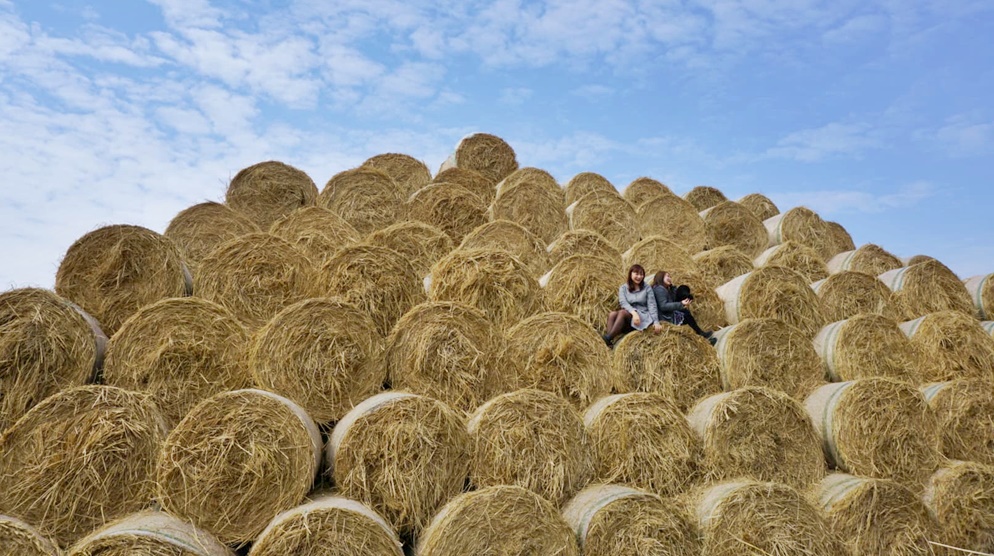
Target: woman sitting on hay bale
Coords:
[(638, 307), (673, 304)]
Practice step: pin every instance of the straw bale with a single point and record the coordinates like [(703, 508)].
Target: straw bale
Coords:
[(79, 459), (964, 408), (866, 346), (149, 533), (607, 214), (877, 427), (722, 264), (729, 223), (448, 351), (585, 286), (961, 497), (180, 351), (401, 454), (926, 288), (46, 344), (377, 280), (707, 307), (255, 276), (771, 353), (421, 244), (988, 326), (202, 228), (804, 226), (367, 198), (915, 259), (659, 253), (750, 518), (642, 440), (841, 239), (676, 363), (774, 292), (324, 354), (587, 182), (568, 357), (799, 258), (268, 191), (328, 525), (113, 271), (876, 516), (981, 289), (20, 539), (449, 207), (644, 189), (613, 520), (317, 232), (582, 242), (674, 218), (502, 520), (847, 294), (760, 205), (759, 433), (475, 182), (491, 280), (704, 197), (235, 460), (513, 238), (484, 153), (532, 206), (869, 258), (537, 176), (951, 345), (409, 173)]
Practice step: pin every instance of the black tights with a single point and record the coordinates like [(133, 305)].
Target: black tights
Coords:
[(618, 322), (690, 321)]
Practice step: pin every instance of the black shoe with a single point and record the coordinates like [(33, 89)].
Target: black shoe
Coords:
[(712, 340), (606, 340)]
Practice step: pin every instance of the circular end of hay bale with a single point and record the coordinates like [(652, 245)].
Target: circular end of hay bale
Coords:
[(657, 253), (760, 205), (620, 521), (533, 207), (607, 214), (255, 276), (475, 182), (484, 153), (532, 422), (799, 258), (961, 497), (870, 259), (421, 244), (676, 363), (804, 226), (729, 223), (513, 238), (841, 239), (704, 197), (113, 271), (951, 345), (644, 189), (722, 264), (80, 458), (963, 409), (317, 232), (149, 533), (981, 290), (847, 294), (915, 259), (770, 353), (498, 520), (409, 173), (582, 242), (19, 538), (866, 346), (773, 292), (674, 218), (449, 207), (535, 175), (926, 288), (585, 286), (200, 229), (234, 460), (642, 440), (180, 351), (328, 525), (268, 191), (401, 454), (587, 182), (365, 197)]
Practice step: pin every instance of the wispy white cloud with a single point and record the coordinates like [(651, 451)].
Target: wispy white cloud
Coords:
[(593, 92), (839, 201), (964, 137), (515, 96), (856, 29), (832, 140)]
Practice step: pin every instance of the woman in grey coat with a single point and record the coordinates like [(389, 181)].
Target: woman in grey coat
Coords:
[(638, 307)]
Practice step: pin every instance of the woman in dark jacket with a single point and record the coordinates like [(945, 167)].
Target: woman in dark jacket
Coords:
[(673, 303), (638, 307)]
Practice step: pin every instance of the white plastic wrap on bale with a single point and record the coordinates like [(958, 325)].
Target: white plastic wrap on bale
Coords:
[(841, 262), (975, 285), (825, 343), (582, 509), (159, 527), (729, 295), (821, 405)]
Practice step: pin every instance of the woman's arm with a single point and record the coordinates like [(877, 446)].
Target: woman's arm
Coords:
[(668, 305), (623, 299)]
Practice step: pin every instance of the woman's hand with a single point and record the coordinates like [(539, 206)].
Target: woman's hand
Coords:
[(657, 328), (686, 302), (636, 319)]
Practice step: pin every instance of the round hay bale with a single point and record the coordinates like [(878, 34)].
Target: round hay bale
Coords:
[(498, 520), (328, 525), (202, 228), (644, 189), (963, 409), (567, 358), (324, 354), (707, 307), (377, 280), (804, 226), (236, 459), (760, 205), (79, 459), (513, 238), (961, 497), (915, 259), (841, 239), (607, 214), (704, 197), (729, 223), (620, 521), (582, 242), (642, 440), (450, 352), (659, 253), (676, 363), (449, 207), (46, 344), (759, 433), (421, 244), (981, 290), (532, 206), (484, 153), (532, 439), (926, 288), (365, 197), (755, 519), (585, 286), (774, 292), (409, 173), (877, 427), (317, 232), (847, 294), (674, 218), (536, 175), (587, 182), (771, 353), (113, 271), (869, 258), (722, 264), (799, 258), (268, 191), (876, 516), (951, 345), (180, 351), (475, 182), (866, 346), (149, 533), (491, 280), (255, 276), (20, 539), (401, 454)]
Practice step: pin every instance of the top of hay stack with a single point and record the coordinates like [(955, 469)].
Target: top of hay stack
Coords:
[(729, 223), (760, 205), (644, 189), (409, 173), (367, 198), (484, 153), (587, 182), (534, 175), (200, 229), (704, 197), (268, 191), (927, 287)]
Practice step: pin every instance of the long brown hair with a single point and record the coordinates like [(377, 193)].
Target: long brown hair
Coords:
[(631, 283), (658, 279)]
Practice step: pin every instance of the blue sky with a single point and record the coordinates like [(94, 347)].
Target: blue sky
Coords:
[(876, 114)]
